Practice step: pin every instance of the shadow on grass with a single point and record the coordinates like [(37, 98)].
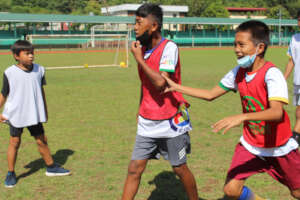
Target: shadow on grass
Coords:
[(60, 157), (168, 187)]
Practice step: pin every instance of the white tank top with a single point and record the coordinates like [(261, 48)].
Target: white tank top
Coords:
[(25, 104)]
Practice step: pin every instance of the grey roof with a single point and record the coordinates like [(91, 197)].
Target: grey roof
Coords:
[(225, 21), (17, 17), (134, 7)]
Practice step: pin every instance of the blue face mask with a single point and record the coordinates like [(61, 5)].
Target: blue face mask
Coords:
[(247, 61)]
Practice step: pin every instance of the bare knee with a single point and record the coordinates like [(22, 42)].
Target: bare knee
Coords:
[(298, 113), (136, 168), (41, 140), (232, 192), (15, 142), (296, 193), (181, 170)]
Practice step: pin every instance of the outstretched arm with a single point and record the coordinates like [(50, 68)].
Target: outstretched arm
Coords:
[(274, 113), (155, 77), (207, 95), (289, 68)]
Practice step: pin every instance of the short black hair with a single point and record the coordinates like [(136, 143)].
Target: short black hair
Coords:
[(259, 31), (151, 9), (21, 45)]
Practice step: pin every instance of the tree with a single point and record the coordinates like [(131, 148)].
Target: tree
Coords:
[(293, 8), (274, 12), (93, 6), (215, 10), (5, 5)]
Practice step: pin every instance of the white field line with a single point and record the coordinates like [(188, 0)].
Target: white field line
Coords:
[(78, 67)]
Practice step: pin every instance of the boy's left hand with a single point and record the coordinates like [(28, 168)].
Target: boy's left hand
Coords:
[(171, 84), (228, 122)]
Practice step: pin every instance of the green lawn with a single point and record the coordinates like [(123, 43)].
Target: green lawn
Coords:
[(92, 127)]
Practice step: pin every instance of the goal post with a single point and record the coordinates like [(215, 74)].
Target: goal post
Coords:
[(92, 50)]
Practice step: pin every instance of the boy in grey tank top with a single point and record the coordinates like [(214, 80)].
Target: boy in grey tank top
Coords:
[(294, 64), (25, 107)]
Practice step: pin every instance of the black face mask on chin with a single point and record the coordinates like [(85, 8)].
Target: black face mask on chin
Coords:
[(144, 39), (29, 67)]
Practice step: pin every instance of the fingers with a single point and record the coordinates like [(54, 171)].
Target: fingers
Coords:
[(163, 75), (222, 124), (138, 43), (169, 81), (2, 119), (167, 89), (218, 126), (135, 44), (166, 77)]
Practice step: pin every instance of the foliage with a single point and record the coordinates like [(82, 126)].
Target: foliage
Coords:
[(215, 10), (274, 12), (197, 8)]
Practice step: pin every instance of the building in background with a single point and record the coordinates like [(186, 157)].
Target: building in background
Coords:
[(244, 13), (129, 10)]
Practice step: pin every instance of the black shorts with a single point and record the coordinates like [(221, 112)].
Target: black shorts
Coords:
[(34, 130)]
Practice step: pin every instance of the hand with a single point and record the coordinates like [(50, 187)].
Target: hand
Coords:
[(171, 84), (137, 50), (2, 118), (228, 122)]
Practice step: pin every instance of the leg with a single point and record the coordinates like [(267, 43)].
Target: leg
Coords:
[(53, 169), (188, 180), (14, 144), (37, 131), (145, 148), (296, 130), (177, 149), (297, 124), (296, 193), (296, 101), (286, 170), (233, 189), (43, 148), (135, 171), (243, 165), (12, 152)]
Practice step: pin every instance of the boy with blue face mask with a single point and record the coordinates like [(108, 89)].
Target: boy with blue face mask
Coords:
[(266, 144)]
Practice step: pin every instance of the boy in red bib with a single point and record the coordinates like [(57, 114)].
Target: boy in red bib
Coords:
[(266, 144), (163, 121)]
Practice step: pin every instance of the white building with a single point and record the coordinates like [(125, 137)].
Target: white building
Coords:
[(130, 9)]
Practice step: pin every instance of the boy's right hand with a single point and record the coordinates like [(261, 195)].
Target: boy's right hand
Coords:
[(137, 51), (2, 118), (171, 84)]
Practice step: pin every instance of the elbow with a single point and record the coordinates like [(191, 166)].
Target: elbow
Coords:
[(278, 115), (210, 98), (160, 85)]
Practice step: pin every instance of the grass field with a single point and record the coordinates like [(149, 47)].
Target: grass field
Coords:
[(92, 127)]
